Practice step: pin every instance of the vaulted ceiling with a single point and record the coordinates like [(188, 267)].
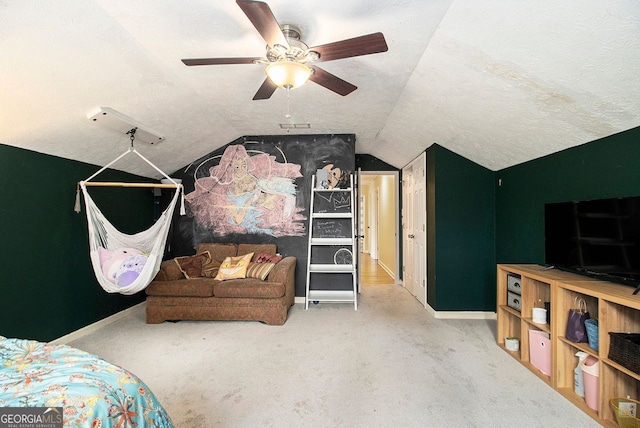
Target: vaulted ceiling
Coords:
[(498, 82)]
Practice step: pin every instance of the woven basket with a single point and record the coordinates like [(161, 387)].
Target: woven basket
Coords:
[(625, 419), (591, 325), (624, 349)]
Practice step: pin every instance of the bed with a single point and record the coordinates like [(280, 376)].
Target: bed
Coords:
[(92, 392)]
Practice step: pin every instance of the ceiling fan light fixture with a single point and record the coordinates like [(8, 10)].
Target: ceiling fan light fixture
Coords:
[(288, 74)]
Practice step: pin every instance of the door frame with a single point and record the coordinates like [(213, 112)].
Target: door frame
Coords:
[(396, 175)]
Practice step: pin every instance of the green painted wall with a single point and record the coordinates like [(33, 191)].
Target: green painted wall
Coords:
[(609, 167), (371, 163), (460, 233), (48, 288)]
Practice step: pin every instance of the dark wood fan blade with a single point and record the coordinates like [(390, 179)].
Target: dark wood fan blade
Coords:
[(266, 90), (219, 61), (363, 45), (331, 82), (260, 15)]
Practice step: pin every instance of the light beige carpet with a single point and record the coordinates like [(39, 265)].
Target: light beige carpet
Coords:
[(389, 364)]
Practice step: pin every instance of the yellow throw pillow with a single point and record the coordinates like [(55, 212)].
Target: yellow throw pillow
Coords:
[(234, 267)]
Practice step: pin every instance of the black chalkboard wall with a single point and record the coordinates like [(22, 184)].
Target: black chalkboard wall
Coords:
[(310, 152)]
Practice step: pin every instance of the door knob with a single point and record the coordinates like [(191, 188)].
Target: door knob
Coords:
[(411, 236)]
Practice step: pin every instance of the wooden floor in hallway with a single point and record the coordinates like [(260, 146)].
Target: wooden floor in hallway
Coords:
[(371, 273)]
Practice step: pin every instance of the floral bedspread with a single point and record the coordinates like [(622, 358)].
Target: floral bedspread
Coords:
[(92, 392)]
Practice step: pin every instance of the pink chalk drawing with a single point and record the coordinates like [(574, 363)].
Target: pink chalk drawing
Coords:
[(248, 194)]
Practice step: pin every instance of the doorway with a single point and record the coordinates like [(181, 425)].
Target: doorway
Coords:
[(379, 224)]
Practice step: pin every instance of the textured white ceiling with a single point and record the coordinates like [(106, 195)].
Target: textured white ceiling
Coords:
[(497, 82)]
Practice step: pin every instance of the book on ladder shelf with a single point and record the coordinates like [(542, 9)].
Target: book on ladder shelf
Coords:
[(332, 247)]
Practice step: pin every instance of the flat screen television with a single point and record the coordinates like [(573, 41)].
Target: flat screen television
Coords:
[(599, 238)]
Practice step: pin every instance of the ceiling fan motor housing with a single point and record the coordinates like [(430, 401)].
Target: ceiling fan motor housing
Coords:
[(297, 50)]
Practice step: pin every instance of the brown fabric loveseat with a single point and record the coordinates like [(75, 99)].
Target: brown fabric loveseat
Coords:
[(177, 294)]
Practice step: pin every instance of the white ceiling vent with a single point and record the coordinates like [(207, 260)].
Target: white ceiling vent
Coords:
[(295, 125)]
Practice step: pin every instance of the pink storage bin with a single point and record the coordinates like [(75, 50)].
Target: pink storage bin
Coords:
[(540, 351)]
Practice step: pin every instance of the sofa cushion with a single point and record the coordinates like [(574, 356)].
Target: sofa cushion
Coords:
[(191, 266), (218, 251), (249, 288), (196, 287), (169, 271), (259, 270), (256, 249), (234, 267)]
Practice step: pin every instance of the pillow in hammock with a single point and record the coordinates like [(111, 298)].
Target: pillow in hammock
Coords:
[(191, 266), (110, 261), (130, 270), (234, 267)]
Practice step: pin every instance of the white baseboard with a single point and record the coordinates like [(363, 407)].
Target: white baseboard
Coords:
[(461, 315), (75, 335), (444, 315), (387, 270), (96, 325), (457, 315)]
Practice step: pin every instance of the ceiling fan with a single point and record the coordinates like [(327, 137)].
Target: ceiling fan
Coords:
[(289, 61)]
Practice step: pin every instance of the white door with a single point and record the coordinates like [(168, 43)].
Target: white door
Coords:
[(407, 227), (420, 231), (415, 228)]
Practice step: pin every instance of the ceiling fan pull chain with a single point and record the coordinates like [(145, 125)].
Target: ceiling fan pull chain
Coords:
[(288, 115)]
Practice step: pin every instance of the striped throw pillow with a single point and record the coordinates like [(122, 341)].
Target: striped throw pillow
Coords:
[(259, 270)]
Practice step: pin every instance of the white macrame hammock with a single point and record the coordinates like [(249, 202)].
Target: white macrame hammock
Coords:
[(150, 242)]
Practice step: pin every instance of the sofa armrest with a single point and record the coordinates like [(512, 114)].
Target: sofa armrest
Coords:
[(284, 272), (169, 271)]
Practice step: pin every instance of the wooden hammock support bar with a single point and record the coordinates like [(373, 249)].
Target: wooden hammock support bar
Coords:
[(86, 183), (121, 184)]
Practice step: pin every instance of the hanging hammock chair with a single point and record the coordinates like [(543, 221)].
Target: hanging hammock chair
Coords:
[(105, 239)]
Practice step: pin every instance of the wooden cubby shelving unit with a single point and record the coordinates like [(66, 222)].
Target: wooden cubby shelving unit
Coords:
[(616, 309)]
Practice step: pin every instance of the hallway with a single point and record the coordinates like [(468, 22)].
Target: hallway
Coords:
[(371, 273)]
